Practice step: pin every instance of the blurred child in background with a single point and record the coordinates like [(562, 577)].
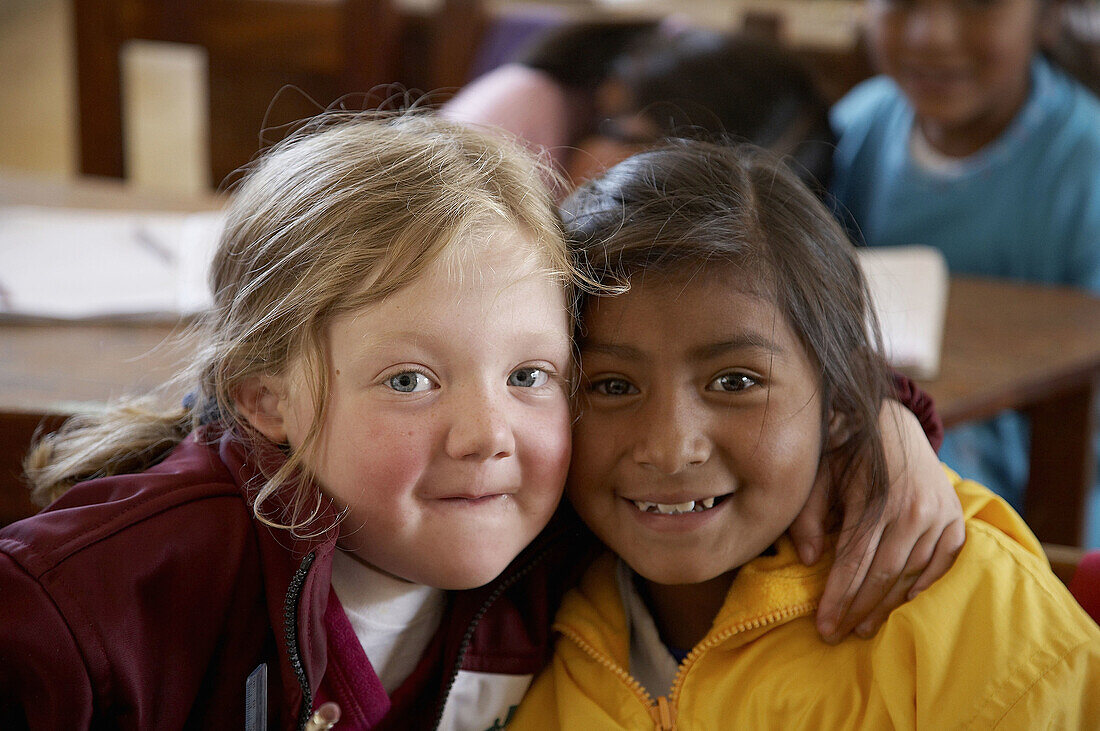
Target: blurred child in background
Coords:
[(974, 142), (593, 94)]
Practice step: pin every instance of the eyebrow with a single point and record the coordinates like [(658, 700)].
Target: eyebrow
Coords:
[(384, 341), (742, 341)]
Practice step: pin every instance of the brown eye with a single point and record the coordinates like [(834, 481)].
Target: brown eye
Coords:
[(732, 382), (614, 387)]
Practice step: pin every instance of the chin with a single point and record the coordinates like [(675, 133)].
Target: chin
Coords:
[(470, 574), (676, 574)]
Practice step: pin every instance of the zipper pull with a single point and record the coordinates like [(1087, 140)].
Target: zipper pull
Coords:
[(664, 715), (255, 699), (324, 718)]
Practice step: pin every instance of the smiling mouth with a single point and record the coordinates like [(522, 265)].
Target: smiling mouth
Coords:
[(938, 77), (476, 499), (689, 506)]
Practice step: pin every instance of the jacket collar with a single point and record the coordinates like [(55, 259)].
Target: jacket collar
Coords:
[(768, 590), (297, 566)]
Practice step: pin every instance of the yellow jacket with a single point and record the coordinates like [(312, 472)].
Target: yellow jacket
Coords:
[(996, 643)]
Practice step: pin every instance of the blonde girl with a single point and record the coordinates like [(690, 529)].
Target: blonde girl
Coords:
[(390, 318)]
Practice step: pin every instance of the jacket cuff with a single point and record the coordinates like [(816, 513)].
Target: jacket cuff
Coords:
[(923, 407)]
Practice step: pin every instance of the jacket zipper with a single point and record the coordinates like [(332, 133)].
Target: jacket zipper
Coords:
[(290, 632), (658, 711), (468, 636), (709, 643), (663, 711)]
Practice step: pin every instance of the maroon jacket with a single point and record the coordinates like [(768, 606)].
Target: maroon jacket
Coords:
[(147, 601)]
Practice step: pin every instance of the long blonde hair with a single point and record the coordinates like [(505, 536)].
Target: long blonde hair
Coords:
[(339, 215)]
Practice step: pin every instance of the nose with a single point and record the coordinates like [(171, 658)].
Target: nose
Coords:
[(480, 425), (671, 435), (932, 24)]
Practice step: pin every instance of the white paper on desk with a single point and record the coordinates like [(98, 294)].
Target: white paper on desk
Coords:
[(76, 264), (909, 290)]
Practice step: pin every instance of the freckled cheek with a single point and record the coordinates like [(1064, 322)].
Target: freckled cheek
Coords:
[(548, 448), (385, 457)]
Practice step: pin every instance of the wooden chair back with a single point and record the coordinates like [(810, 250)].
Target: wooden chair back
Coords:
[(324, 48), (17, 431)]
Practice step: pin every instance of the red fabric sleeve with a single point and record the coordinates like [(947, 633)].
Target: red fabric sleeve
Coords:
[(43, 678), (921, 404), (1085, 584)]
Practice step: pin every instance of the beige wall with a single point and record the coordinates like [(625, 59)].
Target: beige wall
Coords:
[(37, 131), (163, 101)]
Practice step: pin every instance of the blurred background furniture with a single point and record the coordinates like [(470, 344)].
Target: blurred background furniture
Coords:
[(49, 369), (324, 49), (1085, 583), (1079, 570), (17, 430), (53, 48), (1008, 345)]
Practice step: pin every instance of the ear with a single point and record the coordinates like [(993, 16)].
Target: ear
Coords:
[(839, 430), (261, 401)]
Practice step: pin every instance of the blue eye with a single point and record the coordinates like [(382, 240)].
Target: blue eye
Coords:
[(731, 383), (409, 382), (614, 387), (528, 377)]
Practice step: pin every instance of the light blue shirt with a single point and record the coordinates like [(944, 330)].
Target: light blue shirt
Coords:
[(1026, 206)]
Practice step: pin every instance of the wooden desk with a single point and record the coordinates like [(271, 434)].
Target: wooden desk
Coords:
[(44, 365), (50, 369), (18, 188), (55, 367), (1035, 349)]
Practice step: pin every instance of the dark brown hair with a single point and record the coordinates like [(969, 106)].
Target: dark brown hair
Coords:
[(690, 205), (708, 85)]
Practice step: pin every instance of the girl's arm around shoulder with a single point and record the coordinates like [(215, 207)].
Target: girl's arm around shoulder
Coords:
[(914, 539)]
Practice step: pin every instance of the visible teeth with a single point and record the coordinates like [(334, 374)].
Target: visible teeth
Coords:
[(676, 508), (691, 506)]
